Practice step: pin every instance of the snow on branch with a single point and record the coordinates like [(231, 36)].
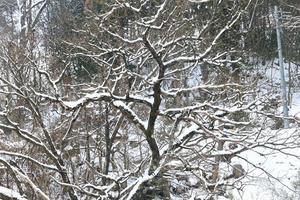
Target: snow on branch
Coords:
[(26, 157), (11, 194), (25, 179)]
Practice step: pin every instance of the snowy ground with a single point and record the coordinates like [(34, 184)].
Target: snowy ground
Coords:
[(277, 182), (280, 172), (295, 107)]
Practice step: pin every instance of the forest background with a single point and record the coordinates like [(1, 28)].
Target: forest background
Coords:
[(150, 99)]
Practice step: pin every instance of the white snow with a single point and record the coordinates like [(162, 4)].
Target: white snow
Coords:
[(268, 171), (11, 193)]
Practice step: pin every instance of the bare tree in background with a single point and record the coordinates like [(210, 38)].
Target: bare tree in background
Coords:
[(117, 106)]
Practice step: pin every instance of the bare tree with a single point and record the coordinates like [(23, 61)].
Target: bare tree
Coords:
[(129, 112)]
